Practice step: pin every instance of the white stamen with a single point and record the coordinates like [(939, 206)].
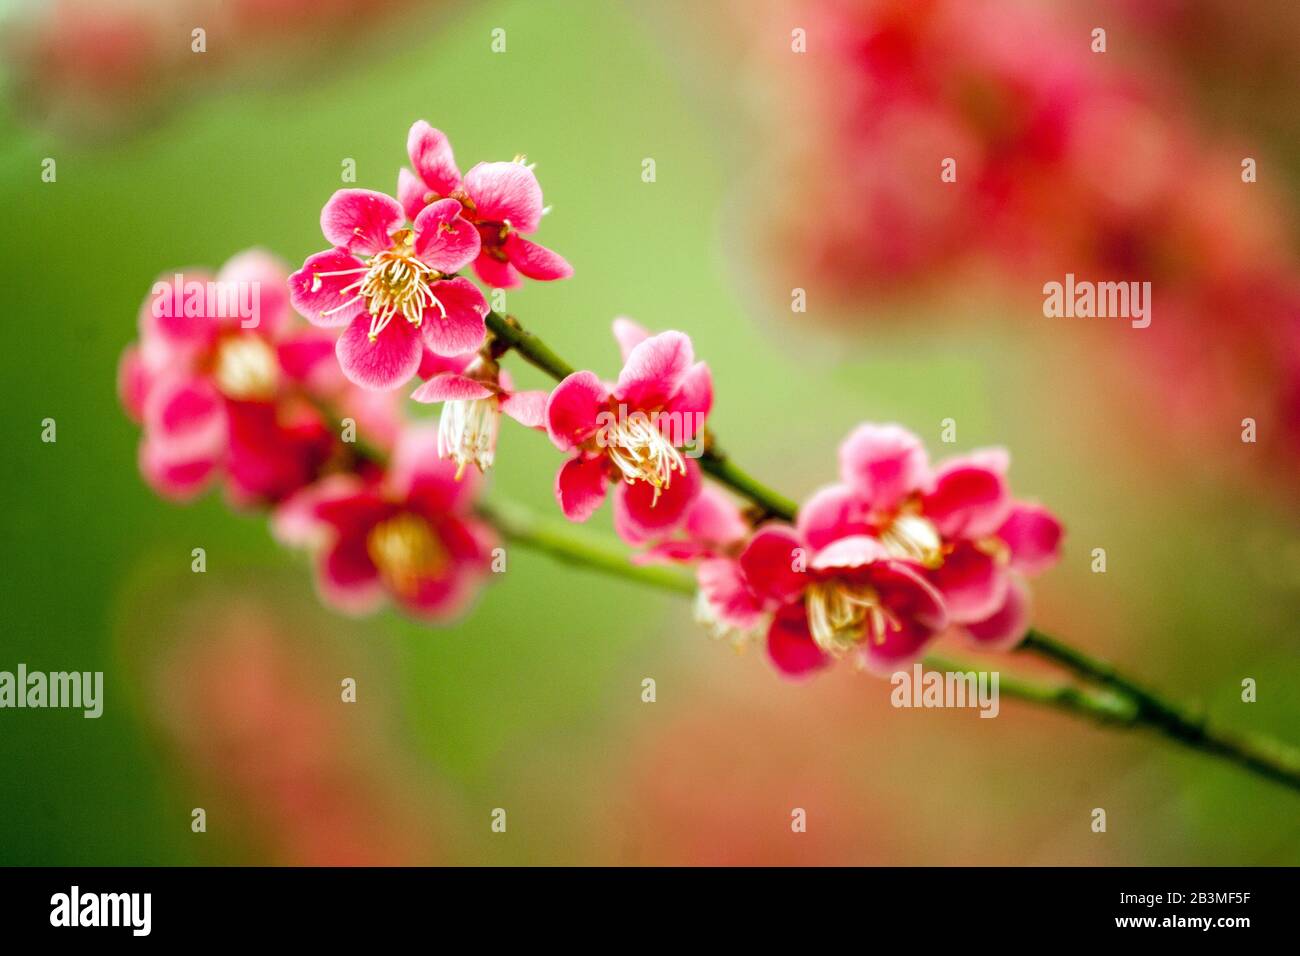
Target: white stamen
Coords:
[(467, 432), (842, 615), (642, 453)]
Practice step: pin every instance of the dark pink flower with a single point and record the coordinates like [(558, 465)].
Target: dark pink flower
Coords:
[(472, 403), (213, 387), (850, 596), (502, 200), (409, 535), (958, 521), (391, 286), (633, 430)]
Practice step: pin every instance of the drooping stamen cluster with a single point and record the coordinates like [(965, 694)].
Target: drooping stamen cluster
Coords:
[(394, 282), (406, 551), (467, 432)]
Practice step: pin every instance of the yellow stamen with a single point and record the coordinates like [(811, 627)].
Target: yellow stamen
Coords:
[(406, 551)]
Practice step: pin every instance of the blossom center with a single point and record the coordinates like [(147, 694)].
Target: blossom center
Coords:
[(913, 538), (245, 368), (406, 551), (642, 453), (467, 432), (841, 614), (392, 283)]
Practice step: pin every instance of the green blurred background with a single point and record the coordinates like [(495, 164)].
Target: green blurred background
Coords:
[(222, 689)]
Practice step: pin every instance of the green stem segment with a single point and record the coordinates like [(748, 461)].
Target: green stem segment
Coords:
[(507, 331), (1270, 758)]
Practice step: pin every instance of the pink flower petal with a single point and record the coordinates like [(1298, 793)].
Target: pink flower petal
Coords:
[(916, 608), (1006, 627), (691, 405), (969, 497), (347, 579), (714, 520), (572, 409), (431, 156), (262, 279), (412, 193), (444, 240), (505, 192), (1034, 535), (640, 517), (527, 408), (463, 329), (835, 511), (177, 479), (496, 273), (431, 363), (654, 371), (729, 599), (387, 362), (883, 463), (321, 298), (448, 387), (361, 220), (133, 381), (790, 644), (628, 335), (775, 563), (295, 522), (857, 551), (416, 473), (580, 486), (185, 419), (534, 261), (972, 583)]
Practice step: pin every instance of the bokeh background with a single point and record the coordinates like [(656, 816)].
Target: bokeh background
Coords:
[(222, 689)]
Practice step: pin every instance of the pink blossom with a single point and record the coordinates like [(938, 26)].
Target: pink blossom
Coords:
[(957, 521), (391, 287), (472, 403), (216, 397), (633, 430), (848, 597), (502, 200), (408, 535)]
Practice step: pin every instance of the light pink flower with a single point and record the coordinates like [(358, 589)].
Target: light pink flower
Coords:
[(502, 200), (472, 403), (391, 286), (632, 430), (958, 521), (409, 535)]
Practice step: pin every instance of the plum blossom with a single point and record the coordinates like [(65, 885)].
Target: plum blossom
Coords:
[(216, 398), (472, 403), (407, 535), (631, 432), (848, 597), (391, 286), (957, 521), (502, 200)]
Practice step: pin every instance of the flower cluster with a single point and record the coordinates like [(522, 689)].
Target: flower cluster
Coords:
[(226, 383), (878, 565)]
